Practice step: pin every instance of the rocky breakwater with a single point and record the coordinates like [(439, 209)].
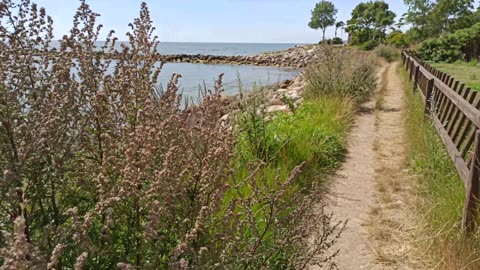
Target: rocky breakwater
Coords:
[(297, 57)]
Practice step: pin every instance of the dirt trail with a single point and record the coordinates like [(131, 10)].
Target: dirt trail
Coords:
[(372, 190)]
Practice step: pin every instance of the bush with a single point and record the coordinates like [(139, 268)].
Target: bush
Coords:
[(369, 45), (397, 39), (462, 45), (342, 72), (388, 52), (337, 41), (333, 41)]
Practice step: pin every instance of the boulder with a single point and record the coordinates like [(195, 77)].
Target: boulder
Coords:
[(293, 95), (278, 108), (275, 101), (296, 85), (281, 91), (298, 102)]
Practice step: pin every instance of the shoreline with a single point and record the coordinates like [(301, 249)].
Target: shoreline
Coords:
[(296, 57)]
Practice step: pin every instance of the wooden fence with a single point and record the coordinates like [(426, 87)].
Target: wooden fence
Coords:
[(454, 110)]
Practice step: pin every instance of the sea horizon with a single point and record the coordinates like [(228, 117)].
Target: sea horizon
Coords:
[(210, 48)]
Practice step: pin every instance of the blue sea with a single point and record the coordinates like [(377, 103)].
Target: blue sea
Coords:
[(195, 75), (221, 48)]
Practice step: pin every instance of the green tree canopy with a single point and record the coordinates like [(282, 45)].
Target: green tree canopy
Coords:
[(430, 18), (417, 14), (452, 15), (370, 20), (323, 16), (338, 25)]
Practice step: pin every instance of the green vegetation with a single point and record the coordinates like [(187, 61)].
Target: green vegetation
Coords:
[(463, 44), (397, 39), (369, 23), (323, 16), (389, 53), (441, 191), (342, 72), (447, 30), (468, 73), (314, 133), (338, 25), (430, 19)]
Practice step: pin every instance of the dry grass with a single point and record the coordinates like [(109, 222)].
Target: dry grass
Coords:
[(342, 72), (393, 219)]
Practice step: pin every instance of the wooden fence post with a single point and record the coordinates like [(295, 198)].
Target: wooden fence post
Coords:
[(415, 79), (470, 210), (428, 96), (410, 69)]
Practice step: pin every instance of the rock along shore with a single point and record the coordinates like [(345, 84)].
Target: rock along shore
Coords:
[(297, 57), (283, 97)]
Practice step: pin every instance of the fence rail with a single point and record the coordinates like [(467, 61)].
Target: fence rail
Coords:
[(454, 110)]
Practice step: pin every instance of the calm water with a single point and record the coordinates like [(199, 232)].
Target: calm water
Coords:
[(194, 75), (220, 48), (194, 48)]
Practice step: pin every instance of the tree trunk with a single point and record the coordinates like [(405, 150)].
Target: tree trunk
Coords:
[(323, 30)]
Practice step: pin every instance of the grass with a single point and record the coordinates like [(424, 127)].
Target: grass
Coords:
[(315, 133), (468, 73), (441, 192), (389, 53), (342, 73)]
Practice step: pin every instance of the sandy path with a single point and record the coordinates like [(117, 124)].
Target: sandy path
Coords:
[(370, 189)]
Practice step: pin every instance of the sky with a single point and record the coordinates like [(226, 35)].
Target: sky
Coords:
[(250, 21)]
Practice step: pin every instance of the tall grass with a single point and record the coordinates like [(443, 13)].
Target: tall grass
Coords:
[(313, 136), (342, 73), (441, 189), (389, 53)]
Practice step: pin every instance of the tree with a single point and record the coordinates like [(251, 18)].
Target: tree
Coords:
[(417, 14), (338, 25), (452, 14), (323, 16), (432, 18), (370, 21)]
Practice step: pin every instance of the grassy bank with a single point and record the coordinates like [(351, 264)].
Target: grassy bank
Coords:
[(441, 191), (468, 73)]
